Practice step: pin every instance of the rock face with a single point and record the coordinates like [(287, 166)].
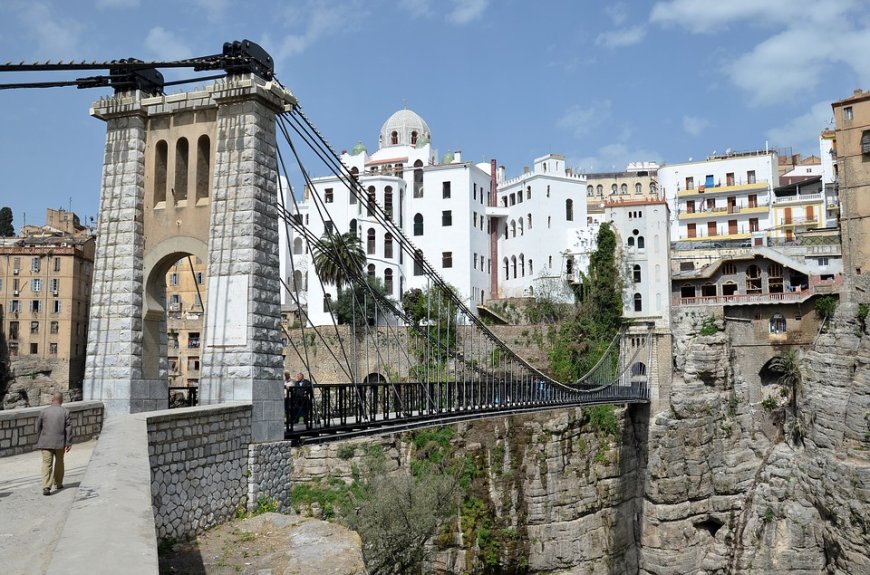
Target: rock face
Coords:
[(728, 492), (32, 381)]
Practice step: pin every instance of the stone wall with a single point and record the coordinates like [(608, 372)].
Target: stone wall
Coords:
[(18, 426), (561, 495), (199, 475)]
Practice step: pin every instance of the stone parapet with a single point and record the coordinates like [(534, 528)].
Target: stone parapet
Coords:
[(18, 426)]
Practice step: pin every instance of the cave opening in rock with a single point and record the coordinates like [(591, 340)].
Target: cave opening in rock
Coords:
[(711, 525)]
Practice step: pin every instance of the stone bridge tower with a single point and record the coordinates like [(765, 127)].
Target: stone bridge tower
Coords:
[(193, 173)]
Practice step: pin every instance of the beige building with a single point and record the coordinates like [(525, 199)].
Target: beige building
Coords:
[(639, 181), (852, 169), (45, 291), (185, 310)]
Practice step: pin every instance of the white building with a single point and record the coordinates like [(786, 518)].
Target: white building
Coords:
[(722, 198), (642, 229), (542, 223)]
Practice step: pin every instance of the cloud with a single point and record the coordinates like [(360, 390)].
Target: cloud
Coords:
[(318, 19), (165, 45), (417, 8), (803, 132), (467, 11), (694, 125), (55, 36), (617, 12), (214, 9), (615, 157), (623, 37), (581, 120), (807, 38), (101, 4)]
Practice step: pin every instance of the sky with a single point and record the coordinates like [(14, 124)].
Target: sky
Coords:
[(603, 83)]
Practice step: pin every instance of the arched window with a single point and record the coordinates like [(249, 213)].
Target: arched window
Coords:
[(569, 266), (203, 160), (623, 189), (505, 231), (353, 226), (161, 159), (599, 189), (514, 266), (388, 201), (638, 188), (513, 228), (529, 217), (297, 280), (370, 241), (520, 225), (531, 268), (652, 188), (640, 243), (631, 242), (635, 272), (506, 268), (182, 150), (388, 281), (613, 189), (418, 179), (354, 171), (590, 191), (370, 270), (370, 207), (414, 138), (777, 324), (388, 245), (297, 246), (638, 302), (418, 224), (394, 137), (522, 265), (569, 210), (638, 369)]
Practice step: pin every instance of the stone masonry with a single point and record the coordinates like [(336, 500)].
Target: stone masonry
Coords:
[(18, 427)]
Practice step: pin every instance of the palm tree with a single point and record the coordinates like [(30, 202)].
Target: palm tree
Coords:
[(338, 258), (788, 367)]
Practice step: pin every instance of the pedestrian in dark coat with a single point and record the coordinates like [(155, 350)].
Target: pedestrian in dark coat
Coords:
[(54, 438)]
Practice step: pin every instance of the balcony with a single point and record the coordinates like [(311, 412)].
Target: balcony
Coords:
[(801, 199), (723, 211), (791, 222), (497, 211), (759, 186)]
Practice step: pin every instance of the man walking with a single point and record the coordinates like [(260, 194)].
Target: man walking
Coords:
[(54, 438)]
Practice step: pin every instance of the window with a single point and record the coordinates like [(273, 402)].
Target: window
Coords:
[(613, 189), (514, 266), (370, 201), (522, 265), (418, 263), (370, 270), (653, 189), (173, 279), (865, 142), (56, 306), (193, 363), (847, 113), (161, 155), (474, 191), (520, 197), (631, 242), (418, 225), (636, 273), (638, 302), (394, 138), (370, 241), (57, 264), (179, 192), (475, 260), (418, 179), (445, 190), (34, 349), (690, 206), (54, 327), (297, 246), (623, 189), (15, 306), (729, 179), (36, 306), (388, 245), (569, 210), (529, 218), (328, 196), (549, 220), (414, 138), (638, 188), (750, 177), (729, 269), (590, 191), (513, 198), (351, 227), (36, 285), (34, 327), (193, 340), (513, 228), (599, 190), (690, 183), (506, 268), (446, 218), (777, 324), (34, 264), (569, 266), (446, 259), (199, 278), (822, 261), (531, 268), (327, 302), (388, 281), (52, 349), (520, 225), (640, 243), (753, 224)]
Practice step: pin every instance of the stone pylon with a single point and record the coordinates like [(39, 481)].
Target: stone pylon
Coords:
[(194, 174)]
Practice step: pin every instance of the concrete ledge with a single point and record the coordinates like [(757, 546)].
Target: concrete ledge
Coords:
[(110, 528), (18, 426)]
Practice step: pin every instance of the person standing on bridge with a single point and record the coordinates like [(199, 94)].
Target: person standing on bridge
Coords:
[(54, 438), (302, 400)]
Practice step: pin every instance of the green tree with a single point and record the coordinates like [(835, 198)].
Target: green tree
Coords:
[(338, 258), (434, 309), (826, 306), (788, 367), (578, 344), (361, 305), (7, 230)]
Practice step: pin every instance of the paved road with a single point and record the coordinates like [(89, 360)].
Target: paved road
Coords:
[(31, 523)]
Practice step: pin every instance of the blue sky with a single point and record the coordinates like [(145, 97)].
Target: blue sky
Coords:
[(603, 83)]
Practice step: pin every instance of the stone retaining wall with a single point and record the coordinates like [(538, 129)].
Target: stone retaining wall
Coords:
[(18, 426)]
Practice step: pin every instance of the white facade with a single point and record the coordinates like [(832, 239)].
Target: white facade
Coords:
[(721, 198), (642, 230), (542, 220)]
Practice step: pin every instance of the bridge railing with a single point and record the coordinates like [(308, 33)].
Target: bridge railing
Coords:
[(321, 408)]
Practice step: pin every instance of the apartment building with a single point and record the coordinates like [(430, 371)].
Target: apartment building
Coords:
[(45, 291), (185, 309), (722, 198)]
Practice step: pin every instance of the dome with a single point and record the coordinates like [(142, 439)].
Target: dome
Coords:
[(358, 149), (404, 128)]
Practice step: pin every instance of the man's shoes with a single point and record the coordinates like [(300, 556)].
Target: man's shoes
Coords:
[(58, 488), (46, 491)]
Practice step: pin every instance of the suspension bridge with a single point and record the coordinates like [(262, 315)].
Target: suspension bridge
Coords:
[(400, 367)]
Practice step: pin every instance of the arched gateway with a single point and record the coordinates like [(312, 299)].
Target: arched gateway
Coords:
[(189, 174)]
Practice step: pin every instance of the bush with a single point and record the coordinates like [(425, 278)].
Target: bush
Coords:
[(602, 418), (708, 327), (826, 306)]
